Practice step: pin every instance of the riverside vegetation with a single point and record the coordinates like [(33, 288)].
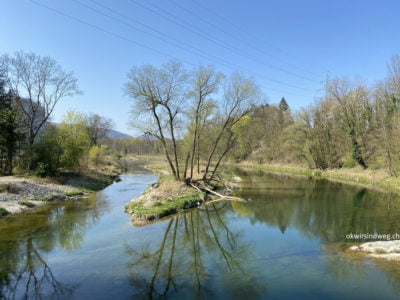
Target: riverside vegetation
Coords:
[(352, 134), (198, 119), (71, 155)]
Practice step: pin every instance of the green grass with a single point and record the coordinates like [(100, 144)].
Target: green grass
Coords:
[(75, 193), (26, 203), (165, 177), (165, 208), (3, 212)]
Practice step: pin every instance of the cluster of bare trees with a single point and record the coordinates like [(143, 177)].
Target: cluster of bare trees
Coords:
[(356, 124), (201, 117), (353, 125), (186, 111)]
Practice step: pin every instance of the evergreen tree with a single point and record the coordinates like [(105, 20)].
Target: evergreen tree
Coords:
[(283, 106), (9, 133)]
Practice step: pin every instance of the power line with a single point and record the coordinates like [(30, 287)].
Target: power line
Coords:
[(199, 52), (107, 31), (185, 25), (255, 38), (241, 41), (160, 35), (132, 41)]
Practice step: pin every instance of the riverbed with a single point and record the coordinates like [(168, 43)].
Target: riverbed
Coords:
[(288, 242)]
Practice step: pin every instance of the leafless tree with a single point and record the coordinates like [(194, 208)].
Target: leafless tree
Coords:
[(240, 93), (97, 127), (159, 100), (40, 83), (351, 102), (205, 82)]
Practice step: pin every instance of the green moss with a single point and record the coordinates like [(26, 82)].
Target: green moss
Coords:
[(3, 212), (164, 208), (26, 203)]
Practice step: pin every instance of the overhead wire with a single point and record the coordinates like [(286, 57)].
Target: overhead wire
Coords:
[(107, 31), (140, 44), (255, 38), (163, 35), (185, 25), (235, 37)]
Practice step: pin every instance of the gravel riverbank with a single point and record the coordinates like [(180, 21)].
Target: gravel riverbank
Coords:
[(18, 194)]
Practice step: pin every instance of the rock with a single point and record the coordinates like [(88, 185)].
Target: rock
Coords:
[(389, 250)]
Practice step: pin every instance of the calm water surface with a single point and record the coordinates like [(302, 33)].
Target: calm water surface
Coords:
[(285, 244)]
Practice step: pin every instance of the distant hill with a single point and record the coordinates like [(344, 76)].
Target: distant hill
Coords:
[(147, 137), (114, 134)]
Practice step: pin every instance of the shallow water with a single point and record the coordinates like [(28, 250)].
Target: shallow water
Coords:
[(286, 243)]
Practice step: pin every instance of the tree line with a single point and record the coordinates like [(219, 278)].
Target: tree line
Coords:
[(197, 119), (30, 88), (353, 125), (201, 117)]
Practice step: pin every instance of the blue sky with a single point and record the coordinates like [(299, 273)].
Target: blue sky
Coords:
[(287, 46)]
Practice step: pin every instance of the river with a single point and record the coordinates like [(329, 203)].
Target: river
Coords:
[(286, 243)]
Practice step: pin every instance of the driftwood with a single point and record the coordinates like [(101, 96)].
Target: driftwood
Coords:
[(221, 197)]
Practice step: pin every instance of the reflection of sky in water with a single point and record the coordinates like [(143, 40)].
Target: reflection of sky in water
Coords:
[(283, 244)]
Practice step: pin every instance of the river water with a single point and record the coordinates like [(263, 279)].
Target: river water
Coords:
[(286, 243)]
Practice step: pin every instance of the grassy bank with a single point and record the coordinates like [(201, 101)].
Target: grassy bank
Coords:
[(374, 179), (163, 198)]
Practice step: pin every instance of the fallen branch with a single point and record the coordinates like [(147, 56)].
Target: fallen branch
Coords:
[(221, 197), (225, 198)]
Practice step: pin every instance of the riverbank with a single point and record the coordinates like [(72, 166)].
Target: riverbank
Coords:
[(372, 179), (161, 199), (22, 193), (387, 250), (168, 196)]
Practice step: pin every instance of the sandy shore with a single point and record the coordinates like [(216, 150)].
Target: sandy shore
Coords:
[(15, 189)]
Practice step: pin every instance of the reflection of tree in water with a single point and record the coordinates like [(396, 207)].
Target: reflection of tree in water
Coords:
[(24, 242), (197, 255), (319, 208), (34, 278), (326, 211)]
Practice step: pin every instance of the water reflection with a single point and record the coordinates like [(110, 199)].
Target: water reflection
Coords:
[(319, 209), (197, 257), (346, 265), (26, 241), (280, 245)]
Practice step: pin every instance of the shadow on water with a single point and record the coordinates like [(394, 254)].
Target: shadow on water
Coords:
[(197, 257), (26, 240)]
